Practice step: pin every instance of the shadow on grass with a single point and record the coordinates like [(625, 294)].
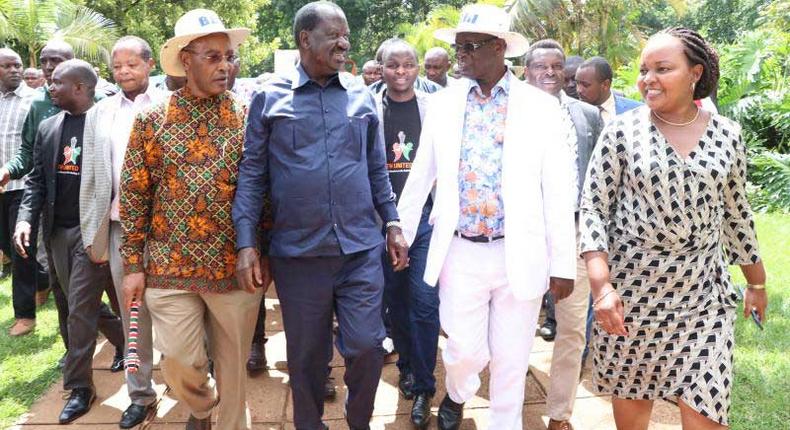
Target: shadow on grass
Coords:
[(26, 392)]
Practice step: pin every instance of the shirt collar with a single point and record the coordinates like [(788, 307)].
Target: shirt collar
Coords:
[(301, 78), (151, 92), (609, 104), (503, 85)]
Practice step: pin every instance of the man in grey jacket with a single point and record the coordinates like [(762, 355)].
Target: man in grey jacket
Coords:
[(64, 149), (545, 64)]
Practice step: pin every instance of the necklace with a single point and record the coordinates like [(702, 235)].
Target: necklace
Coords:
[(676, 124)]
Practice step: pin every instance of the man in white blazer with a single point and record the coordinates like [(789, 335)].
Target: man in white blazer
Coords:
[(503, 227)]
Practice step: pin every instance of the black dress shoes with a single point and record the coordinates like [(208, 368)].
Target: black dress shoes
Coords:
[(330, 392), (78, 404), (405, 384), (421, 411), (256, 362), (198, 424), (133, 415), (450, 414), (117, 361)]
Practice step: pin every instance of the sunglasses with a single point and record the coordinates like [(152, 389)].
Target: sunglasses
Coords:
[(471, 46)]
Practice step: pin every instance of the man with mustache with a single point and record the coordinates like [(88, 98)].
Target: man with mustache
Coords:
[(312, 145), (177, 185)]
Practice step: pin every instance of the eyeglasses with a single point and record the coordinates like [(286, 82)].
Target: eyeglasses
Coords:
[(542, 68), (215, 58), (471, 46)]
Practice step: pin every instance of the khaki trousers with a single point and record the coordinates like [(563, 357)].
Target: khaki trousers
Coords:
[(566, 361), (182, 321)]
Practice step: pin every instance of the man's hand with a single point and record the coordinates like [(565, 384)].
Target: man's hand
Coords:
[(397, 248), (133, 288), (560, 288), (266, 273), (249, 273), (5, 176), (22, 238)]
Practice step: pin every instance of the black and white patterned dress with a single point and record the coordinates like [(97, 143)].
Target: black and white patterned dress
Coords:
[(670, 226)]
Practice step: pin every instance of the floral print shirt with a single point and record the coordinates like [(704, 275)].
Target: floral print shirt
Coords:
[(177, 188), (480, 166)]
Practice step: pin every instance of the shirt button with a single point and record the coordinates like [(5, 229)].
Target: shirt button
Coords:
[(326, 110), (334, 225)]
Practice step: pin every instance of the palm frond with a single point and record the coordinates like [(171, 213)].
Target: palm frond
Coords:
[(89, 32)]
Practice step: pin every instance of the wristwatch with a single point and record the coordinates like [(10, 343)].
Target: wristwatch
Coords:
[(756, 286), (394, 223)]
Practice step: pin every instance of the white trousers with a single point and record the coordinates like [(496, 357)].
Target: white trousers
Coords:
[(485, 325)]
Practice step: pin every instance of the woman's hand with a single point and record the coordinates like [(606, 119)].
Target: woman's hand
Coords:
[(757, 300), (608, 309)]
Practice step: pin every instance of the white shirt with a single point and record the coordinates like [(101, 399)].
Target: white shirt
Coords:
[(122, 128), (607, 109)]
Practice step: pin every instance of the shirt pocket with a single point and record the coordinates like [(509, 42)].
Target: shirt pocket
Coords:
[(356, 134)]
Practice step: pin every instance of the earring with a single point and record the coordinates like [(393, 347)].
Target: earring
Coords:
[(693, 86)]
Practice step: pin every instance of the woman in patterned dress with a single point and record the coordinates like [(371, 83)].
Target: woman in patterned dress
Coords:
[(665, 207)]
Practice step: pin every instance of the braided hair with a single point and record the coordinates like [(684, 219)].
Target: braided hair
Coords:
[(698, 51)]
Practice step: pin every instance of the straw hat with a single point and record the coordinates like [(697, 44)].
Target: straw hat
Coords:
[(193, 25), (486, 19)]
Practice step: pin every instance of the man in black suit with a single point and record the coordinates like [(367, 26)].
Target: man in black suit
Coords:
[(54, 187), (545, 69)]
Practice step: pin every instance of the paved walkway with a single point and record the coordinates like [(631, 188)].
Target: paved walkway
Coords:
[(269, 397)]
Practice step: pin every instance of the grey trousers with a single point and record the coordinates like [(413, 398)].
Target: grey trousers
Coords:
[(83, 284), (139, 384)]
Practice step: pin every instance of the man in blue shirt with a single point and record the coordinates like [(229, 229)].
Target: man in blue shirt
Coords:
[(312, 146)]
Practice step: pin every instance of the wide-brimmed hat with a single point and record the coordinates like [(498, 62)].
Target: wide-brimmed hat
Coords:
[(486, 19), (193, 25)]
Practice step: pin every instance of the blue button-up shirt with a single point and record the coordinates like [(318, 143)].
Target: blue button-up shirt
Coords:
[(317, 152)]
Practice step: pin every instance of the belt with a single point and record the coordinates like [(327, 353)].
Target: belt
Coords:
[(480, 238)]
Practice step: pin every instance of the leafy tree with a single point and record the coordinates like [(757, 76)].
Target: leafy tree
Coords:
[(29, 24), (154, 20), (722, 21)]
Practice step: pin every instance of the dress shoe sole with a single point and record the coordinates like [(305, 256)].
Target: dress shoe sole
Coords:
[(77, 416)]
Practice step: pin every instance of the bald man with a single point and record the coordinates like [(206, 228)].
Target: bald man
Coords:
[(54, 190), (15, 98), (41, 108), (437, 63)]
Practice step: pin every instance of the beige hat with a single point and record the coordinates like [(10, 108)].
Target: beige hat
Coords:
[(486, 19), (193, 25)]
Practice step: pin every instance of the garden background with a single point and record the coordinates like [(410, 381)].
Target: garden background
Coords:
[(751, 36)]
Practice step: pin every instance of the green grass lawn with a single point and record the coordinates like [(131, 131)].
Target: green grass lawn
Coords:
[(28, 365), (762, 359)]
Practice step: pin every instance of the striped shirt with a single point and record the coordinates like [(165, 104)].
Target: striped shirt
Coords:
[(14, 106)]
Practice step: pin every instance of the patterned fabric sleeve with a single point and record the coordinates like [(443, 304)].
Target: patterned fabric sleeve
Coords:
[(600, 190), (137, 190), (739, 237)]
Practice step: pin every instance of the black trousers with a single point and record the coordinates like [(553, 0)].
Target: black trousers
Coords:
[(311, 289), (27, 276)]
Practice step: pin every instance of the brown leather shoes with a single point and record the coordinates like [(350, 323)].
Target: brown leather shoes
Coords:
[(42, 297), (22, 326), (559, 425)]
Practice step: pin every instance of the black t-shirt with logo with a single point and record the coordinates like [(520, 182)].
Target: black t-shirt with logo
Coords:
[(68, 169), (402, 127)]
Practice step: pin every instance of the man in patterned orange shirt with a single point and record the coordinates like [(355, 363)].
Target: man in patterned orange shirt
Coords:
[(178, 183)]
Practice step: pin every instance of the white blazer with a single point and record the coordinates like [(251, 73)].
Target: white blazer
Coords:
[(537, 186)]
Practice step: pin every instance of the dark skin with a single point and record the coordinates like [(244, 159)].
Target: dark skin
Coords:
[(207, 62), (591, 88), (73, 96), (53, 54), (10, 70), (323, 52), (486, 65)]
